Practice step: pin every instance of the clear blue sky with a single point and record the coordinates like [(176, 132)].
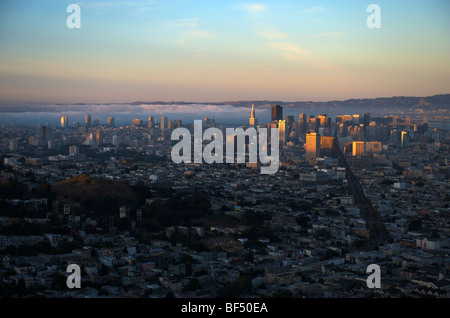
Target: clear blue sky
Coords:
[(219, 50)]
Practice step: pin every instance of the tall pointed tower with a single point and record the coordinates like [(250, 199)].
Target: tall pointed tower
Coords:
[(253, 121)]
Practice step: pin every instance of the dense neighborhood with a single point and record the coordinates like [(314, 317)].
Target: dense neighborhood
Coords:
[(111, 201)]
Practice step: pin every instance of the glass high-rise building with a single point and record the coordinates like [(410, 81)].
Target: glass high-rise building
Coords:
[(163, 123), (111, 121), (282, 131), (87, 120), (405, 139), (64, 122), (150, 122), (277, 113)]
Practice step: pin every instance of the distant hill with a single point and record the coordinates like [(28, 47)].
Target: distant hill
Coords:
[(92, 192), (380, 104), (399, 102)]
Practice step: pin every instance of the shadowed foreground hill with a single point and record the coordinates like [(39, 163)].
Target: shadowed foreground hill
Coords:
[(94, 194)]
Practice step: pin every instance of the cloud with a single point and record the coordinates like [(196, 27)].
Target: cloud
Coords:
[(199, 53), (307, 59), (315, 9), (271, 33), (140, 5), (286, 47), (198, 33), (188, 28), (192, 35), (181, 23), (187, 31), (336, 35), (254, 8)]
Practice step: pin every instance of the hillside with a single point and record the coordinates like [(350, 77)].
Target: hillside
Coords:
[(435, 102), (399, 102), (93, 192)]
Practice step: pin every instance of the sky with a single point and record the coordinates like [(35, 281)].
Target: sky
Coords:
[(222, 50)]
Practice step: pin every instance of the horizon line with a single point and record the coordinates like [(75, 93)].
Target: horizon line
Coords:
[(214, 102)]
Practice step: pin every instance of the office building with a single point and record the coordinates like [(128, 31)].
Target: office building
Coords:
[(301, 124), (324, 121), (328, 146), (312, 146), (116, 140), (314, 124), (405, 139), (137, 122), (74, 151), (396, 136), (177, 123), (289, 120), (253, 122), (366, 119), (13, 145), (282, 131), (373, 147), (344, 118), (163, 123), (87, 120), (150, 122), (372, 131), (302, 118), (64, 122), (99, 137), (358, 149), (91, 139), (111, 121), (46, 133), (277, 113)]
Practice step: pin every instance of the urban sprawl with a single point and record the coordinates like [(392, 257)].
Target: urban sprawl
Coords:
[(350, 191)]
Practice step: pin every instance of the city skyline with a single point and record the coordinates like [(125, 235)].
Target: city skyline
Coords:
[(149, 215), (247, 150), (152, 50)]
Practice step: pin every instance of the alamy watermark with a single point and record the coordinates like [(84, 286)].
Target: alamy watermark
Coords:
[(74, 279), (374, 279), (214, 152), (73, 20), (374, 20)]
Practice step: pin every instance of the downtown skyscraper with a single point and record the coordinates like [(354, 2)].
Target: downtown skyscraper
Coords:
[(312, 146), (253, 122), (277, 113), (64, 121), (87, 120)]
